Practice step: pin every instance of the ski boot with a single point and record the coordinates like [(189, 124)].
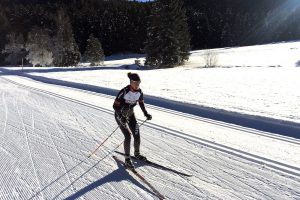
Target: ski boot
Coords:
[(139, 156), (129, 164)]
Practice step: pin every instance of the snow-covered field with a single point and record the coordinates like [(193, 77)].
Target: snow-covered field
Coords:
[(257, 80), (49, 130)]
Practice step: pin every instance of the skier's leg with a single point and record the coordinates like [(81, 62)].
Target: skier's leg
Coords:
[(134, 127), (127, 135)]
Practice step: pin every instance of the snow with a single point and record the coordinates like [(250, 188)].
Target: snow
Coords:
[(267, 88), (48, 130)]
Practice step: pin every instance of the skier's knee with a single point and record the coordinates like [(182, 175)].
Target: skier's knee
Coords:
[(127, 137)]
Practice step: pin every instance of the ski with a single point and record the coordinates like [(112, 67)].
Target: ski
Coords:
[(158, 194), (157, 165)]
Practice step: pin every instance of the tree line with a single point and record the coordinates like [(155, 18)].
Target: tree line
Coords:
[(240, 22), (165, 30)]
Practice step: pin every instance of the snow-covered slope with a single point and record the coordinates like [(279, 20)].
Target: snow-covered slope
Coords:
[(48, 130), (256, 80), (46, 139)]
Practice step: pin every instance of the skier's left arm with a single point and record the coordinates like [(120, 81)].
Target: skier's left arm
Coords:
[(142, 105)]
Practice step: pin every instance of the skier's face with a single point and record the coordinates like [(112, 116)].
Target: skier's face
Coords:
[(135, 84)]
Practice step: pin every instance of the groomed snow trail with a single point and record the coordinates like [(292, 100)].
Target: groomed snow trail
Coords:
[(45, 142)]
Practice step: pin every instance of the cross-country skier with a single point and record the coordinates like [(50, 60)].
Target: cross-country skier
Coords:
[(124, 103)]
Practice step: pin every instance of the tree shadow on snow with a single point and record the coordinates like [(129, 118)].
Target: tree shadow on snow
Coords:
[(65, 69), (287, 128), (298, 64), (120, 174), (124, 56), (116, 176), (81, 86)]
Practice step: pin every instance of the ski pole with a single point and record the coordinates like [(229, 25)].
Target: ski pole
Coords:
[(142, 123), (103, 142), (109, 137), (123, 141)]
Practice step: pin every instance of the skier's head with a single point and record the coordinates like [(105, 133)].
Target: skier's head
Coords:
[(134, 80)]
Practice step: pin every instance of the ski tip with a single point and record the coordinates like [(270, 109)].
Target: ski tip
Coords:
[(183, 174), (119, 152), (116, 158)]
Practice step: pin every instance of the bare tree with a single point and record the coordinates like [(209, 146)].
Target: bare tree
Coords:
[(210, 58), (38, 45)]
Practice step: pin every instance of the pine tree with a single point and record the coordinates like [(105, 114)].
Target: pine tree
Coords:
[(66, 51), (94, 52), (15, 49), (3, 32), (226, 36), (168, 39)]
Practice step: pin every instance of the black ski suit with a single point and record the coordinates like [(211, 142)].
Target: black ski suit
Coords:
[(124, 103)]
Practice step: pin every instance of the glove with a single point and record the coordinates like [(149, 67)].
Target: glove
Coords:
[(148, 116)]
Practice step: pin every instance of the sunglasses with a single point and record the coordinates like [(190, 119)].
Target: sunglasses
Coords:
[(136, 82)]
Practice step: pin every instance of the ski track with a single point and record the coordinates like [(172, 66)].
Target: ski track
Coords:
[(29, 150), (89, 128), (226, 125), (174, 157), (231, 126), (60, 157), (229, 150), (62, 138), (82, 139), (59, 141), (5, 116), (219, 163)]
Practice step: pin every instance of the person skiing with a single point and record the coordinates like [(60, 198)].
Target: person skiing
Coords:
[(124, 103)]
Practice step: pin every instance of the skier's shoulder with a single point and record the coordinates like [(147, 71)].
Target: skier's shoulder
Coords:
[(140, 90), (126, 89), (122, 92)]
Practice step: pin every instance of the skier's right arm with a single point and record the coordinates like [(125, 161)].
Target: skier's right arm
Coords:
[(118, 101)]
